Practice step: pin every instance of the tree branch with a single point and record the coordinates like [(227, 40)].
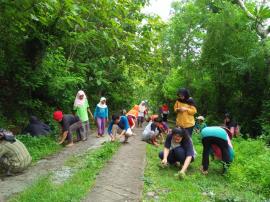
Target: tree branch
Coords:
[(261, 30)]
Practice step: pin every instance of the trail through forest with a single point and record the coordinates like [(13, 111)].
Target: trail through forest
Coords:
[(55, 164)]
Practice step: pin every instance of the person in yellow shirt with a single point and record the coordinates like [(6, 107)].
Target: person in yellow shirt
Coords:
[(185, 109)]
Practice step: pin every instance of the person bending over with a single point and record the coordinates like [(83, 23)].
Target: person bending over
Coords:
[(69, 124), (178, 148), (151, 132), (119, 125), (216, 140)]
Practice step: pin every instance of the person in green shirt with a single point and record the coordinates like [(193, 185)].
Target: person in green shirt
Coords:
[(14, 157), (81, 108)]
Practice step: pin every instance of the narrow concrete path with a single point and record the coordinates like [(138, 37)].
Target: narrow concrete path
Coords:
[(16, 184), (121, 179)]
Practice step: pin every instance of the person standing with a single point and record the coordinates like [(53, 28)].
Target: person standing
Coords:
[(141, 114), (101, 116), (164, 112), (81, 108), (185, 109)]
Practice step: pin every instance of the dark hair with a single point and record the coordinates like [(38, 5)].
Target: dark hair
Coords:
[(187, 99), (115, 117), (180, 132), (184, 92)]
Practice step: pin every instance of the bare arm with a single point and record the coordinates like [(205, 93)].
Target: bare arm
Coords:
[(166, 152), (89, 111), (186, 164)]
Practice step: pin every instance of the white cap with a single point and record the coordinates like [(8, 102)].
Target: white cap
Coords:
[(200, 118)]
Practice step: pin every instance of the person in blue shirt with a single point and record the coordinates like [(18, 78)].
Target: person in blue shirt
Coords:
[(216, 139), (101, 116), (119, 125)]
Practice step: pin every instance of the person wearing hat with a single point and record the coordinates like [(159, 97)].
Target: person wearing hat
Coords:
[(101, 116), (216, 140), (185, 109), (200, 124), (69, 124), (14, 157), (178, 148)]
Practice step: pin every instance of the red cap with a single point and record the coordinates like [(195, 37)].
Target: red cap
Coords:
[(58, 115)]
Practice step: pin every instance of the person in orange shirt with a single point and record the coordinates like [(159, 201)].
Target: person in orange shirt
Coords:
[(185, 109), (132, 116)]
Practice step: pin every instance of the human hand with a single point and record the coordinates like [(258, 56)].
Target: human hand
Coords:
[(181, 175), (164, 161)]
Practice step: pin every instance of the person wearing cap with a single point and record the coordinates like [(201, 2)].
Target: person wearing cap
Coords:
[(14, 157), (119, 125), (81, 108), (216, 140), (69, 124), (200, 124), (151, 131), (101, 116), (178, 148), (185, 109)]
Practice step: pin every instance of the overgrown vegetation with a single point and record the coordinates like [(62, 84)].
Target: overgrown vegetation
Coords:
[(78, 185), (248, 178), (39, 147)]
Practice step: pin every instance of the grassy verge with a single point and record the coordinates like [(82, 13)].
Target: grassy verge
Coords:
[(87, 167), (248, 178), (39, 147)]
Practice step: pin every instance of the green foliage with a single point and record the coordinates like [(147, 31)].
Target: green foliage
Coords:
[(51, 49), (248, 176), (39, 147), (75, 188), (213, 49)]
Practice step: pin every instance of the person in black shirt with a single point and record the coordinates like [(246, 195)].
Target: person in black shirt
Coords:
[(36, 127), (70, 124), (178, 147)]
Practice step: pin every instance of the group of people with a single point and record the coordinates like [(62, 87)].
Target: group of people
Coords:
[(178, 147)]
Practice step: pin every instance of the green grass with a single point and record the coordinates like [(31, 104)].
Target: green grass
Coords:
[(78, 185), (39, 147), (248, 178)]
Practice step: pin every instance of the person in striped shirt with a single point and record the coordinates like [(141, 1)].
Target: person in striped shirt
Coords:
[(14, 157)]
